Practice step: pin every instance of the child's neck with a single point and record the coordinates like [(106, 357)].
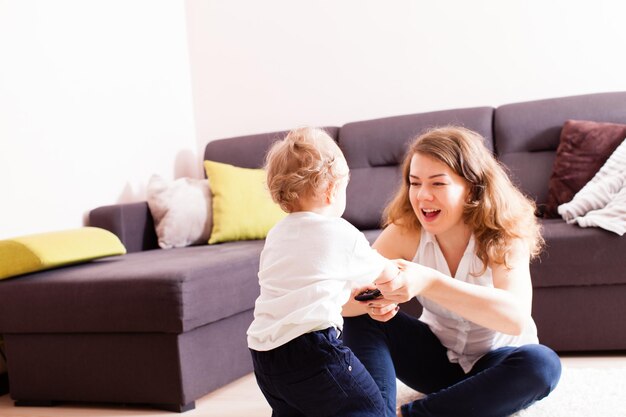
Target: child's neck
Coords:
[(317, 207), (322, 211)]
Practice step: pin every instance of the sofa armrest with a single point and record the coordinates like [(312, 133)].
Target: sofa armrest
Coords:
[(132, 223)]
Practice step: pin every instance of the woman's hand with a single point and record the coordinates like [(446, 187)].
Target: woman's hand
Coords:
[(412, 280), (379, 309)]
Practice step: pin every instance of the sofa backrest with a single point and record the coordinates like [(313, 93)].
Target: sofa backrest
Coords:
[(248, 151), (527, 134), (375, 149)]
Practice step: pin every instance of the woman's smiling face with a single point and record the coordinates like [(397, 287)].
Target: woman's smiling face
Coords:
[(437, 194)]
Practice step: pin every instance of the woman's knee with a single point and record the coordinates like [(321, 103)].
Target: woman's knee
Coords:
[(543, 367), (359, 329)]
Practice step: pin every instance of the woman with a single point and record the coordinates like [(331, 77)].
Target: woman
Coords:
[(470, 235)]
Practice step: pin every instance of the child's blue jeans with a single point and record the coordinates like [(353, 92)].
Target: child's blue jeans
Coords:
[(316, 375), (501, 383)]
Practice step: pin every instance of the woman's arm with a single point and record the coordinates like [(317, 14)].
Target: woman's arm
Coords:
[(505, 307)]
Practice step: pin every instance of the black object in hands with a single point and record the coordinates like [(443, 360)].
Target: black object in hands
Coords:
[(368, 295)]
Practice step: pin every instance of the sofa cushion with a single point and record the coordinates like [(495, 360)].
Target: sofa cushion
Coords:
[(41, 251), (583, 148), (159, 290), (527, 134), (375, 148), (576, 256), (181, 210), (243, 208)]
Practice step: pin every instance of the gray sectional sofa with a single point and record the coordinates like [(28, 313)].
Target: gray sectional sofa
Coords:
[(165, 327)]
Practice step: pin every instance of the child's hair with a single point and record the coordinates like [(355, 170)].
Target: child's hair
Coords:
[(303, 165), (497, 212)]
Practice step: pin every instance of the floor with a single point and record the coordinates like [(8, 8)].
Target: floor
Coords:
[(241, 398)]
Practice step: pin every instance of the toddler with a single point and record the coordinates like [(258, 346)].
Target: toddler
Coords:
[(309, 264)]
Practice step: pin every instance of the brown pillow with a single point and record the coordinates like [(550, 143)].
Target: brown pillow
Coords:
[(584, 147)]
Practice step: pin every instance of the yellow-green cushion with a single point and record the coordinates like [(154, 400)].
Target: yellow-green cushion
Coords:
[(21, 255), (242, 206)]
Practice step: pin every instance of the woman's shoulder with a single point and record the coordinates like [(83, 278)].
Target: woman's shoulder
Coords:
[(398, 242), (516, 255)]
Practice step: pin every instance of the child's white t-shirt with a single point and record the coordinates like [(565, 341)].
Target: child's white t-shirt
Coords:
[(308, 265)]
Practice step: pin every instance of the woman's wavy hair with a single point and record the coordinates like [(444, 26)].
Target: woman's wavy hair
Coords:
[(303, 165), (496, 211)]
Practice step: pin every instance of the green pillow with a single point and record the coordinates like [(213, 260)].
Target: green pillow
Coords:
[(242, 206), (21, 255)]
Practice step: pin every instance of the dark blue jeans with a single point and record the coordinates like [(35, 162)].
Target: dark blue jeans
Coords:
[(501, 383), (316, 375)]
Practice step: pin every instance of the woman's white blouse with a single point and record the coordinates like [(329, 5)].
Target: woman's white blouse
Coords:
[(466, 341)]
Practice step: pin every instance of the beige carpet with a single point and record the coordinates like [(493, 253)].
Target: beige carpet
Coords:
[(582, 392)]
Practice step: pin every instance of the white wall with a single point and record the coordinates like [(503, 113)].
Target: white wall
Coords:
[(276, 64), (96, 96)]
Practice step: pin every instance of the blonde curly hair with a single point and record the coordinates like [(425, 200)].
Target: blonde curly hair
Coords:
[(303, 165), (496, 212)]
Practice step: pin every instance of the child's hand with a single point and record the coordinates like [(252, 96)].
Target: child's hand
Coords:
[(353, 307), (379, 309), (390, 272), (412, 280)]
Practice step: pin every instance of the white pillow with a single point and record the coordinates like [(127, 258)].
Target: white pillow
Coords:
[(181, 210)]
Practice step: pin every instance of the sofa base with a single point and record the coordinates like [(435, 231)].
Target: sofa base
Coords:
[(582, 318), (573, 319), (4, 383), (34, 403), (165, 371), (177, 408)]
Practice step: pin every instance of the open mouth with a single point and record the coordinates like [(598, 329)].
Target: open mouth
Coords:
[(430, 214)]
